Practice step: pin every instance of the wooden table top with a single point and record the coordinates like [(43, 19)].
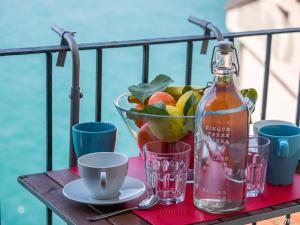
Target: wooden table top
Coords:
[(47, 187)]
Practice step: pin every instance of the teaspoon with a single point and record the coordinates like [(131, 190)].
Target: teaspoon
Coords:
[(144, 204)]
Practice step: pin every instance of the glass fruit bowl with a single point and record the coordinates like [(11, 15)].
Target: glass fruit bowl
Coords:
[(151, 127)]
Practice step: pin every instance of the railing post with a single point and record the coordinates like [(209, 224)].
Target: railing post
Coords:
[(68, 39), (266, 77), (98, 103), (189, 63), (145, 64), (49, 122), (49, 111)]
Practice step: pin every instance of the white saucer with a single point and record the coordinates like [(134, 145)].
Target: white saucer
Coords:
[(131, 189)]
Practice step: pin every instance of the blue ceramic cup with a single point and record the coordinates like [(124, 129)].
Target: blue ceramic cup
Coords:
[(93, 137), (284, 152)]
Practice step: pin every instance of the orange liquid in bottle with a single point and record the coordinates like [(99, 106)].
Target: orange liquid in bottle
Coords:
[(229, 124), (221, 154)]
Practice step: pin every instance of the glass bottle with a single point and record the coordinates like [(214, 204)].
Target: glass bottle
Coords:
[(221, 139)]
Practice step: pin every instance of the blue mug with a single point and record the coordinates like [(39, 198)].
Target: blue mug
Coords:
[(93, 137), (284, 152)]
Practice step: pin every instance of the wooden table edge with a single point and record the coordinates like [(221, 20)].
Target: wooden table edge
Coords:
[(243, 218), (264, 215), (112, 220), (39, 197)]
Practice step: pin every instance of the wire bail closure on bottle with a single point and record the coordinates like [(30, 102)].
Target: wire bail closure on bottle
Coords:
[(225, 47), (222, 46)]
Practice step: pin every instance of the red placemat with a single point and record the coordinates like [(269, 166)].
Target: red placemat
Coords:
[(186, 213)]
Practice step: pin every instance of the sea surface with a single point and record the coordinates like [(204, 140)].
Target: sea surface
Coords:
[(22, 78)]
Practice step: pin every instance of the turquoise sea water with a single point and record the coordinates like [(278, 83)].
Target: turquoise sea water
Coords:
[(22, 84)]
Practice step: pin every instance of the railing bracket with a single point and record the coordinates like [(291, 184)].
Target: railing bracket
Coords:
[(204, 46), (67, 39), (208, 27), (61, 58), (81, 95)]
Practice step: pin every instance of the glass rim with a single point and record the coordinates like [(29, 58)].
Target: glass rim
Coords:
[(117, 105), (189, 148), (257, 145), (111, 128), (275, 125)]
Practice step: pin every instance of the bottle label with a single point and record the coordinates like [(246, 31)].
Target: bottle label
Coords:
[(219, 134)]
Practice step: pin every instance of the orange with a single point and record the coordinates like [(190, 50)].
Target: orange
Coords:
[(162, 97)]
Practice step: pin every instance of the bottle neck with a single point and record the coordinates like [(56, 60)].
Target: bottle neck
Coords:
[(223, 69), (222, 79), (222, 63)]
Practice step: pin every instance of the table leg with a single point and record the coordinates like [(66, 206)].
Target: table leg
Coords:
[(287, 219), (49, 216)]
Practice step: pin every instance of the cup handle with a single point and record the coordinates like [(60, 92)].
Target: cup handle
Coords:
[(103, 180), (283, 150)]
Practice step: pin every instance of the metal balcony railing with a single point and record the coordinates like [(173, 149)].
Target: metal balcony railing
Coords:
[(68, 44)]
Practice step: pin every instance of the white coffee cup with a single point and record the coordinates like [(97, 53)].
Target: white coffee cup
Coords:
[(103, 173)]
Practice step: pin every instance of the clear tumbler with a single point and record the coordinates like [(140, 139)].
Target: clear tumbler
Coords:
[(166, 165), (257, 165)]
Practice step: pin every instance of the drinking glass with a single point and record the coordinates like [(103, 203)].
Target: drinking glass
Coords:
[(166, 165), (257, 165)]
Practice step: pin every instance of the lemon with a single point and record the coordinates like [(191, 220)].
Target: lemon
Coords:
[(186, 104), (169, 128), (180, 104), (176, 92)]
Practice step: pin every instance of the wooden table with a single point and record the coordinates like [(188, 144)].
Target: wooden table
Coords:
[(47, 187)]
